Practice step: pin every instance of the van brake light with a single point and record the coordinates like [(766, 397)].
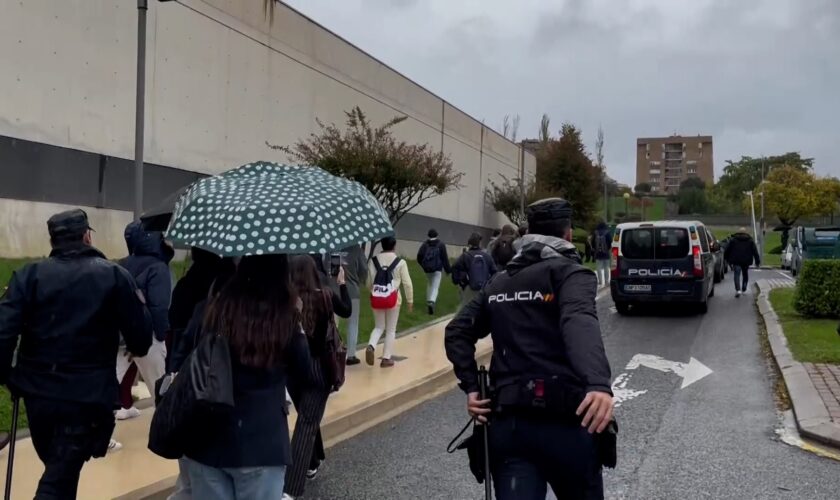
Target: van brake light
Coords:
[(614, 263), (698, 261)]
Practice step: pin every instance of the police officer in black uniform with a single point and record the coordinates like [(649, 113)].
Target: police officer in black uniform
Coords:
[(549, 374), (68, 312)]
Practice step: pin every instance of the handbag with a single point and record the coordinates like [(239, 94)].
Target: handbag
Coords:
[(198, 396), (334, 357)]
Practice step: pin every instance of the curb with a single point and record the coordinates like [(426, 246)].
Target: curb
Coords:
[(811, 414)]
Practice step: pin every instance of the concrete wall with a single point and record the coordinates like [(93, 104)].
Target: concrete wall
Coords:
[(221, 83)]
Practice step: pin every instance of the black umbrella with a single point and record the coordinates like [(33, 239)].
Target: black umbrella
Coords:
[(158, 218)]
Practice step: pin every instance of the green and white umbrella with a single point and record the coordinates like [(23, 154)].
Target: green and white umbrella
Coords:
[(270, 208)]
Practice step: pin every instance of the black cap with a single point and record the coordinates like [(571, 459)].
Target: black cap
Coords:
[(68, 225), (549, 209)]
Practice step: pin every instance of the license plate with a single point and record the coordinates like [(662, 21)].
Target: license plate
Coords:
[(636, 288)]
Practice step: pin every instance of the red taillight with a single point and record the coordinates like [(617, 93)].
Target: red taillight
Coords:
[(698, 261), (539, 388), (614, 263)]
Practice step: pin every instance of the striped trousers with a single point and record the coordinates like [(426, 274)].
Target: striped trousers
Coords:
[(307, 445)]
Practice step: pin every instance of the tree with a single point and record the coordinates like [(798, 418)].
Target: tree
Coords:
[(693, 183), (643, 188), (745, 174), (545, 132), (792, 193), (719, 203), (564, 168), (505, 197), (400, 175)]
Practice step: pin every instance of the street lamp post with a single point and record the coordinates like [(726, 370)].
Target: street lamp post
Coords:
[(626, 204), (139, 110)]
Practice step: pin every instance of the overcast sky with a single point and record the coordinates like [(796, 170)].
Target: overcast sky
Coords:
[(761, 76)]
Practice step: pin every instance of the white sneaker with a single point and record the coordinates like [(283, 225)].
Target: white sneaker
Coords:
[(737, 293), (286, 496), (127, 413), (114, 445)]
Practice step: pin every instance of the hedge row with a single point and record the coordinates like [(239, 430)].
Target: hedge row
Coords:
[(818, 290)]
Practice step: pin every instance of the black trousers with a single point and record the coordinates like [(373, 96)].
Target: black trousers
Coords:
[(65, 435), (307, 445), (528, 453)]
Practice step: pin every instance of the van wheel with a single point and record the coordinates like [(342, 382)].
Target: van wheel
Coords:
[(623, 308), (718, 277), (703, 307), (712, 293)]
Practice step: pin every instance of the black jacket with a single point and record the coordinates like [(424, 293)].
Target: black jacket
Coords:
[(69, 311), (256, 433), (541, 315), (742, 251), (443, 264), (192, 289), (461, 269), (148, 263)]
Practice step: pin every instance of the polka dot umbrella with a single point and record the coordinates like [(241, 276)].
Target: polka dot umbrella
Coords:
[(271, 208)]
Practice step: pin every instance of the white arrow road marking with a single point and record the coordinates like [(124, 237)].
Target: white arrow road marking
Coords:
[(620, 391), (690, 372)]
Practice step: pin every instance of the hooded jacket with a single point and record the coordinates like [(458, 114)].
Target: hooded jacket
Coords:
[(148, 263), (741, 251), (541, 315)]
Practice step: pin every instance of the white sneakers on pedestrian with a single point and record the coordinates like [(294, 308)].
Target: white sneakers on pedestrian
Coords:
[(114, 445), (127, 413), (286, 496), (737, 293)]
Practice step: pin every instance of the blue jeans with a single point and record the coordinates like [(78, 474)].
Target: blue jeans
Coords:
[(739, 270), (257, 483)]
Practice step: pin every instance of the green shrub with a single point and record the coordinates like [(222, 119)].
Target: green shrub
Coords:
[(818, 290), (775, 250)]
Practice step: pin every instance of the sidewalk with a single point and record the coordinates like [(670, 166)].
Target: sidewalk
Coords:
[(370, 396), (814, 389)]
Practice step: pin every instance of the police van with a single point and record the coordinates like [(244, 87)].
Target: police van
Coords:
[(665, 261)]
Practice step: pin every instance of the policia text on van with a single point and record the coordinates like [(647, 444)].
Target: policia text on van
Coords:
[(551, 402)]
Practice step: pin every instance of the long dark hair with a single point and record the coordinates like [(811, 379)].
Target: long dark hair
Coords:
[(307, 284), (256, 311)]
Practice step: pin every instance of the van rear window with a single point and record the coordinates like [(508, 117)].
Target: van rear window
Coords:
[(654, 243)]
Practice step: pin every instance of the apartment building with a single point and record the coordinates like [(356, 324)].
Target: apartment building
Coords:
[(665, 162)]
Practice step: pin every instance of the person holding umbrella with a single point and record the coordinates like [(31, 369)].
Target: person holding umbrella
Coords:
[(263, 212), (69, 311)]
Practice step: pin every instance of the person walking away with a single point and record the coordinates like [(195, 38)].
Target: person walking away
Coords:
[(589, 248), (550, 374), (503, 250), (389, 273), (356, 273), (434, 260), (190, 294), (69, 311), (244, 453), (319, 306), (148, 264), (473, 269), (741, 252), (496, 234), (602, 244)]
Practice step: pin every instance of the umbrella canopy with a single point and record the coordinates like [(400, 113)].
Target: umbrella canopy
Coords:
[(157, 219), (271, 208)]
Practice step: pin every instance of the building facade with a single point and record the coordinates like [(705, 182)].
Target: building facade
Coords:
[(222, 81), (665, 162)]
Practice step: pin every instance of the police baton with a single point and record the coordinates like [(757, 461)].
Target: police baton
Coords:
[(11, 460), (482, 394)]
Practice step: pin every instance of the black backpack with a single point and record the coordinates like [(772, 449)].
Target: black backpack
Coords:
[(431, 259), (503, 251), (601, 245), (479, 271)]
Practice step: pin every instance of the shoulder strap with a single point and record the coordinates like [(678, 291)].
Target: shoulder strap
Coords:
[(376, 264), (394, 264)]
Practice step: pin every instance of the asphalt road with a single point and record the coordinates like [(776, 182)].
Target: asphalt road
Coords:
[(713, 439)]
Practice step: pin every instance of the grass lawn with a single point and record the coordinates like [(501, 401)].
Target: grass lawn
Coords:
[(810, 340), (448, 300)]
